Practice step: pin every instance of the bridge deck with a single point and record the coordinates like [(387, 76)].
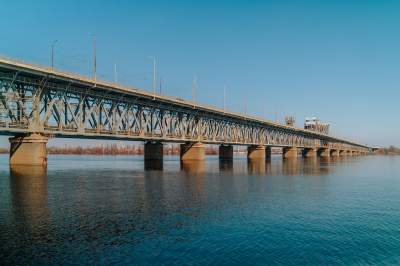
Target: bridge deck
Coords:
[(26, 71)]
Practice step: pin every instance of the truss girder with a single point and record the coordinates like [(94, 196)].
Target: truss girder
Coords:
[(46, 106)]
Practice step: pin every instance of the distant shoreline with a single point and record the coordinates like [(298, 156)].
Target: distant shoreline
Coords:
[(114, 149)]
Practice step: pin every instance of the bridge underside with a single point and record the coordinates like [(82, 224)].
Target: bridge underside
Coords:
[(31, 150)]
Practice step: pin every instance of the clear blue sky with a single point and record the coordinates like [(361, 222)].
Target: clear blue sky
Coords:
[(338, 60)]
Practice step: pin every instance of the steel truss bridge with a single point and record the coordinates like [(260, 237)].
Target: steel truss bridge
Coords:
[(36, 99)]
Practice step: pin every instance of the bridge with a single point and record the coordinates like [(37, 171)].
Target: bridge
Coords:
[(38, 103)]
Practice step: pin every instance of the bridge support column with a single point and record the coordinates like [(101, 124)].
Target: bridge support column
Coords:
[(289, 152), (28, 150), (153, 155), (349, 153), (310, 152), (324, 152), (256, 152), (334, 153), (342, 153), (192, 151), (225, 152)]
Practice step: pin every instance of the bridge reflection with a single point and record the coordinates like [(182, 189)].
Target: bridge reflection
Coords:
[(293, 166), (193, 167), (28, 186), (257, 167), (154, 165), (29, 192), (119, 202), (226, 166), (305, 166)]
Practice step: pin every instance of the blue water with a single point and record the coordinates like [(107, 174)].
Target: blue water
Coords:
[(109, 210)]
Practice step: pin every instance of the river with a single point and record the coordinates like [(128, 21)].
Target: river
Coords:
[(108, 210)]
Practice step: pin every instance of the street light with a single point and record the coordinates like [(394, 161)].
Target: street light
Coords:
[(194, 88), (94, 58), (154, 76), (224, 97), (162, 81), (52, 53), (115, 74)]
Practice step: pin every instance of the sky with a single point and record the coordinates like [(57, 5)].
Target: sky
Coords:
[(337, 60)]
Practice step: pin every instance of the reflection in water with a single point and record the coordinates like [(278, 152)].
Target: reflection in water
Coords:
[(29, 194), (311, 166), (193, 167), (103, 213), (226, 165), (298, 166), (153, 164), (317, 166), (325, 159), (291, 166), (154, 194), (194, 179), (256, 167)]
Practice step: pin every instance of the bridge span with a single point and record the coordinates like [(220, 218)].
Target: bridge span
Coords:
[(37, 103)]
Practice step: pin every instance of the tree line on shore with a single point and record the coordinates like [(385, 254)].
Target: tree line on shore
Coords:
[(118, 149), (172, 149), (114, 149), (391, 150)]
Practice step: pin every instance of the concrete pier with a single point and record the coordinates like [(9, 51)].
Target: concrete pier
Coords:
[(256, 152), (289, 152), (192, 151), (153, 151), (28, 150), (153, 155), (309, 153), (226, 152), (334, 153), (342, 153), (324, 152)]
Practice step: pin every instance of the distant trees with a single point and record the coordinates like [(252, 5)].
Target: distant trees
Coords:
[(109, 149), (173, 149), (114, 149), (391, 150)]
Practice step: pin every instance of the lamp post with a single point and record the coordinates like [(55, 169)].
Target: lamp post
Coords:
[(154, 76), (52, 53), (94, 58), (224, 97), (162, 81), (194, 89), (115, 74)]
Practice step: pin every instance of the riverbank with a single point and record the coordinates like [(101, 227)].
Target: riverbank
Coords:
[(389, 151), (114, 149), (169, 149)]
